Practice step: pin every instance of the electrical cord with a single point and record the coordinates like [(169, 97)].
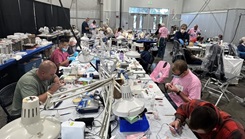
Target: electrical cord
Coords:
[(160, 130), (117, 123), (99, 114), (98, 122), (87, 133)]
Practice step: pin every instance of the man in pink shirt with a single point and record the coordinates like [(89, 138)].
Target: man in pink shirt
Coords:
[(194, 32), (184, 86), (163, 34), (60, 55)]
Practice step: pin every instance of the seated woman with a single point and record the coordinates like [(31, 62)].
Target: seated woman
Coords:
[(241, 48), (146, 58), (118, 32)]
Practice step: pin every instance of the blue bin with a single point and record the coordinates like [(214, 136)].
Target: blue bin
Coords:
[(139, 126)]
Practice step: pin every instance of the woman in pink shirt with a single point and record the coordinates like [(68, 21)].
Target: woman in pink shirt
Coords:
[(163, 34), (194, 32)]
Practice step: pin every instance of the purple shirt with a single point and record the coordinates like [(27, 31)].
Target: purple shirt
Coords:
[(58, 56), (190, 85)]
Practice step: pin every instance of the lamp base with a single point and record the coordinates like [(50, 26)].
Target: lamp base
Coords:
[(45, 128)]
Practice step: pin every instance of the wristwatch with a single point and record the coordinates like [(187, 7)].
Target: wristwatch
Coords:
[(178, 93)]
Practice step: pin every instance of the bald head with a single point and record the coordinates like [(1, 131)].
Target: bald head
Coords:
[(46, 65)]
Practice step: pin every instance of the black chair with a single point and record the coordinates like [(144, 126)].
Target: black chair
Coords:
[(6, 99)]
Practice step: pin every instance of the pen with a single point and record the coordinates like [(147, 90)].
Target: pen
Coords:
[(65, 114), (173, 128)]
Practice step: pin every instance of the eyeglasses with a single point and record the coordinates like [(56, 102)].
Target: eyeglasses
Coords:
[(178, 74)]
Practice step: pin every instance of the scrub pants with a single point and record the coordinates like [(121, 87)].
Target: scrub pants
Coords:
[(161, 48)]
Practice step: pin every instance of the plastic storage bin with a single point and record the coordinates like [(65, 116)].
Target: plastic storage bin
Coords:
[(28, 65), (139, 126)]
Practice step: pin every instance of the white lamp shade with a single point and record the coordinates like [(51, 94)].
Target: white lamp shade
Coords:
[(128, 106), (132, 54), (84, 57), (30, 125), (85, 38), (120, 37)]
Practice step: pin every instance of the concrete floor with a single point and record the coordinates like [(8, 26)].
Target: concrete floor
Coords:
[(234, 107)]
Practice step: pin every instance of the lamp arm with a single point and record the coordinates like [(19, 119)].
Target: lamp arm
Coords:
[(90, 87)]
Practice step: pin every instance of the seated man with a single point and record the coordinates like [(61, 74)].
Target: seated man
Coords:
[(36, 83), (208, 121), (185, 85), (146, 57), (241, 48), (60, 56)]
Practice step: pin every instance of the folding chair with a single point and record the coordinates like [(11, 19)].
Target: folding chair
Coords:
[(6, 99), (214, 68), (178, 52)]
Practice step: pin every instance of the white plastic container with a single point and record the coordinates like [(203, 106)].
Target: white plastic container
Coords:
[(72, 130)]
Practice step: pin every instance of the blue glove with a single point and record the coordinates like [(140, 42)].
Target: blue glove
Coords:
[(71, 58), (181, 41), (75, 54)]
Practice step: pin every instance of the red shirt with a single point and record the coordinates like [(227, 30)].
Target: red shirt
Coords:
[(58, 56), (227, 128)]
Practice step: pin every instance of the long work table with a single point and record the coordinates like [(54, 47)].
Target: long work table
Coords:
[(160, 111)]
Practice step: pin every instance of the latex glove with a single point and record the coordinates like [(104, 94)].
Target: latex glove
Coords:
[(75, 54), (181, 41), (71, 58)]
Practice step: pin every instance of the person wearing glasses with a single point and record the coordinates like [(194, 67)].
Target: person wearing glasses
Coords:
[(184, 86)]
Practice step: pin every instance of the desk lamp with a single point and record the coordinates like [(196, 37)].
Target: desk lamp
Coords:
[(85, 57), (133, 53), (31, 125), (128, 106)]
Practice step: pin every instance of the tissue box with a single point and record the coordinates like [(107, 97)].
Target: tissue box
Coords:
[(72, 130)]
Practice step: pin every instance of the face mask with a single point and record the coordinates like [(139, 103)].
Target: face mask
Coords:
[(182, 31), (64, 50), (141, 50), (176, 76)]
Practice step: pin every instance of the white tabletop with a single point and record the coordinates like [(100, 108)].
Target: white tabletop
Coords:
[(162, 109), (194, 48)]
